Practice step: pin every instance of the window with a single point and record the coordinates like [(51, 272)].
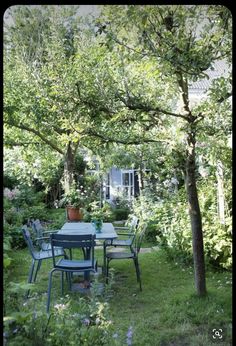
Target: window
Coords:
[(107, 186), (128, 183)]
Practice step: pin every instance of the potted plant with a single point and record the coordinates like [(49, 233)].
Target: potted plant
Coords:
[(96, 217), (74, 200)]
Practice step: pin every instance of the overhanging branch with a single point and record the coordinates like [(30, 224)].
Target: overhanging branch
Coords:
[(37, 133), (107, 139)]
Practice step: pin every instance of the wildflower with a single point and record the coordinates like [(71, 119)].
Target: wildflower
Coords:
[(60, 307)]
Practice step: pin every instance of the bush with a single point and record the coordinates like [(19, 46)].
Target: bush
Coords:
[(121, 213), (12, 217), (14, 233), (169, 224), (35, 212), (83, 321)]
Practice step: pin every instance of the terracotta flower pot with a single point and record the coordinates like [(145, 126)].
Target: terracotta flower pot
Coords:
[(74, 214)]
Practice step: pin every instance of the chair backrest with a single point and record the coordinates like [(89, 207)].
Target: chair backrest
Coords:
[(38, 228), (73, 241), (133, 224), (29, 242), (138, 238)]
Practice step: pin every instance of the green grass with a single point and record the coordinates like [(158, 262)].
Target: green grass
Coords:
[(166, 312)]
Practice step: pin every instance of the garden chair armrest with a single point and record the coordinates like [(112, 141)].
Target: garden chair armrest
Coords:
[(127, 234), (52, 231), (42, 238), (125, 228)]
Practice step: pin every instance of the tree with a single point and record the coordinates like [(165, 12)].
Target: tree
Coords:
[(40, 47), (181, 43)]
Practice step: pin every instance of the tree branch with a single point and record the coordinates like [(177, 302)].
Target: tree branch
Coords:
[(225, 97), (37, 133), (107, 139), (148, 108)]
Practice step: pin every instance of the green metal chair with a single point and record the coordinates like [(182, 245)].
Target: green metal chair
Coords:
[(42, 236), (70, 266), (127, 233), (132, 254), (37, 255)]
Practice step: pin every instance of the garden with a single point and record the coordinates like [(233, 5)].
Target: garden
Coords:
[(87, 96)]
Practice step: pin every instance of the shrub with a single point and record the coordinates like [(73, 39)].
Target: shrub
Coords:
[(83, 321), (121, 213), (35, 212), (14, 233), (169, 224)]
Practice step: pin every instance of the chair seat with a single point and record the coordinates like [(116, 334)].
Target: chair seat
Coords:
[(119, 242), (47, 246), (75, 264), (120, 255)]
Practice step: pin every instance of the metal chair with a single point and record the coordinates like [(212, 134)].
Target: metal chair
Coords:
[(129, 236), (132, 254), (75, 241), (42, 236), (37, 255)]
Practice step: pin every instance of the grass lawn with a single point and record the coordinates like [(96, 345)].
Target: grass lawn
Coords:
[(166, 312)]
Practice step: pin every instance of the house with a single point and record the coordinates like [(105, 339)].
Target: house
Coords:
[(125, 182)]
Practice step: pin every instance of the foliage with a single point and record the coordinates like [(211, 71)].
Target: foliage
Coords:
[(94, 211), (84, 321), (20, 204), (179, 314), (168, 224), (7, 240), (121, 214), (76, 197)]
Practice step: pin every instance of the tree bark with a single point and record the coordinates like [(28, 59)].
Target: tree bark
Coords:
[(191, 188), (69, 166), (195, 217)]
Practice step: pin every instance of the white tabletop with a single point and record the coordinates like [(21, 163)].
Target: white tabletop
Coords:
[(107, 232)]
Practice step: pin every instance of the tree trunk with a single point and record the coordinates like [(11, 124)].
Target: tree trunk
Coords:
[(191, 188), (195, 216), (140, 180), (69, 166), (220, 192)]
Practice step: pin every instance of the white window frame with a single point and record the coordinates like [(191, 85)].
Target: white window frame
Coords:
[(130, 186), (107, 186)]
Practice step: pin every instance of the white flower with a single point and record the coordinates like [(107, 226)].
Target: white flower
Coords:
[(60, 307), (174, 181)]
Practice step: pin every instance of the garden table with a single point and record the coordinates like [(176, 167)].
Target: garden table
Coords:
[(107, 232)]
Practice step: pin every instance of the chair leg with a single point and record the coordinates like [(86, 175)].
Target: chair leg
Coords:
[(84, 252), (69, 280), (37, 269), (30, 277), (138, 273), (49, 290), (31, 271), (107, 271), (104, 259)]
